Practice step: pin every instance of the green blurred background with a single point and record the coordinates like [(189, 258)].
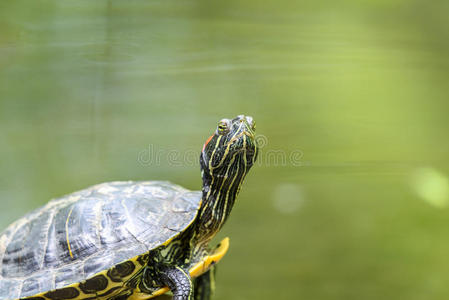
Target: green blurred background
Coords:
[(94, 91)]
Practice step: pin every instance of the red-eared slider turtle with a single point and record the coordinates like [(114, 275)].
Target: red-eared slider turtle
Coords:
[(130, 240)]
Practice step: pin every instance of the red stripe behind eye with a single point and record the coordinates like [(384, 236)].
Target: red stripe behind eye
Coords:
[(207, 142)]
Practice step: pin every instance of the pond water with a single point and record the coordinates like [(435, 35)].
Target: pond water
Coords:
[(349, 197)]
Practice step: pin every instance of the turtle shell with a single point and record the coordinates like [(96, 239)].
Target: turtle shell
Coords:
[(76, 236)]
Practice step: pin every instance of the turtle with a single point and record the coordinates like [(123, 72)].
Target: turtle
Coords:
[(131, 239)]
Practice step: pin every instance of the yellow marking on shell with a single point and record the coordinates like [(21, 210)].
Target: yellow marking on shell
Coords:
[(206, 263), (67, 231), (198, 269), (111, 284), (141, 296)]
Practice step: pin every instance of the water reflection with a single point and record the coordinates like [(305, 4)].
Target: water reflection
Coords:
[(431, 186), (288, 198)]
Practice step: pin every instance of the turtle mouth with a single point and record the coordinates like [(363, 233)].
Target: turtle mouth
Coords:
[(244, 130)]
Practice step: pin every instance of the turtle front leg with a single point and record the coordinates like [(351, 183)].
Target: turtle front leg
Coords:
[(178, 281), (205, 285)]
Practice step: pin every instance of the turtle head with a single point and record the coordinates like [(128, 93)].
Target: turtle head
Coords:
[(230, 151), (226, 158)]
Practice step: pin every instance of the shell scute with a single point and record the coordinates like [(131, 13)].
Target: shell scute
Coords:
[(95, 284)]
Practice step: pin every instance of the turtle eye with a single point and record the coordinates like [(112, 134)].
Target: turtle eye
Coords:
[(223, 127), (253, 126)]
